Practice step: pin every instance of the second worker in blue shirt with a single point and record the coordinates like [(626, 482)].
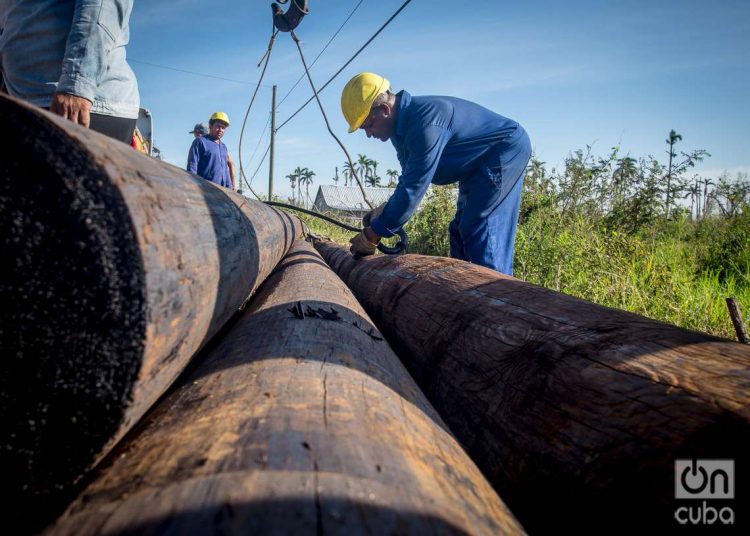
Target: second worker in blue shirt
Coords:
[(443, 140), (209, 157)]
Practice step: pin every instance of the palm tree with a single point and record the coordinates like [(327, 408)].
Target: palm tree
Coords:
[(364, 166), (306, 179), (392, 176), (298, 175), (336, 176), (372, 180), (375, 179), (673, 139), (293, 180), (694, 192), (349, 172)]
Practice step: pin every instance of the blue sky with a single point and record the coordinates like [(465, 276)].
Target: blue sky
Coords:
[(572, 73)]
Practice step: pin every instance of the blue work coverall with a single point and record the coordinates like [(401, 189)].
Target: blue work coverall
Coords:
[(442, 140), (209, 158)]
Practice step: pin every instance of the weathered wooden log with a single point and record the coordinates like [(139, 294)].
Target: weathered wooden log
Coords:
[(301, 419), (573, 410), (116, 269)]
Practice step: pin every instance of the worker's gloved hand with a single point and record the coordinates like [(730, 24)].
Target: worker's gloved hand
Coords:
[(374, 213), (361, 245)]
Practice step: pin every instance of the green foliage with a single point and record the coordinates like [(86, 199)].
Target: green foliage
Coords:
[(656, 274), (428, 229), (723, 247), (598, 230), (325, 229), (628, 233)]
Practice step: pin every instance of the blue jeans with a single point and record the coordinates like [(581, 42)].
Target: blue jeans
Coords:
[(484, 228)]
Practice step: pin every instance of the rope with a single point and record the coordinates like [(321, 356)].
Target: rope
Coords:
[(325, 117), (266, 57), (320, 53), (242, 174), (403, 243), (257, 145), (347, 63), (260, 139), (262, 159)]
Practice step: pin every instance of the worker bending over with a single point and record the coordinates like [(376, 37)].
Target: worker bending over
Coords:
[(209, 157), (443, 140)]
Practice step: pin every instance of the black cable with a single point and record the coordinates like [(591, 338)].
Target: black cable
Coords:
[(347, 63), (316, 214), (399, 248)]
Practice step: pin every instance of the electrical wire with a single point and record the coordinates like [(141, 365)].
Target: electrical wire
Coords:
[(348, 62), (321, 52), (267, 58), (403, 244), (260, 139), (243, 82), (325, 118), (262, 159)]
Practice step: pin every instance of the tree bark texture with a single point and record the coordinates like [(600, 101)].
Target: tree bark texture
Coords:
[(116, 269), (300, 419), (571, 409)]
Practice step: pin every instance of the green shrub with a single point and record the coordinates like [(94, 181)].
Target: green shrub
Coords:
[(674, 271)]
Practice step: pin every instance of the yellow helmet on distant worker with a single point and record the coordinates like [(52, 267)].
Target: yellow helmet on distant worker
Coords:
[(219, 116), (358, 95)]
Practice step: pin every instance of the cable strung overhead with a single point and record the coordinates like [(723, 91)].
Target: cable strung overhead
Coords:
[(347, 63), (287, 22)]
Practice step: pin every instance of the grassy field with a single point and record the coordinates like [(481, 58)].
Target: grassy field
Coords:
[(680, 272)]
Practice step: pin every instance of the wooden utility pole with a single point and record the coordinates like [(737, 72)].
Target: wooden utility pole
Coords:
[(300, 420), (273, 139), (118, 269), (570, 408)]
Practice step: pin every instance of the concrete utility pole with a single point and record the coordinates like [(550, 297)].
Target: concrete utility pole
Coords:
[(273, 138)]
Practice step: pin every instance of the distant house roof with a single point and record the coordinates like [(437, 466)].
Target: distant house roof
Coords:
[(349, 198)]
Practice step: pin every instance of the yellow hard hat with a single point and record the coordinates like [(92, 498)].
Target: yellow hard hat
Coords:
[(358, 95), (220, 116)]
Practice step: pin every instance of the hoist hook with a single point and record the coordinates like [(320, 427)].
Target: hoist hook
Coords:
[(286, 22)]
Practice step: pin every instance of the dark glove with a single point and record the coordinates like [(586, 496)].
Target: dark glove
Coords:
[(374, 213), (361, 246)]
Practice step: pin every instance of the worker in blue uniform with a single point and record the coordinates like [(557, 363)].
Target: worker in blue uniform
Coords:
[(209, 157), (443, 140)]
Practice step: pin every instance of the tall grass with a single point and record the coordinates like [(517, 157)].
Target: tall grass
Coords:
[(678, 272), (656, 275)]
